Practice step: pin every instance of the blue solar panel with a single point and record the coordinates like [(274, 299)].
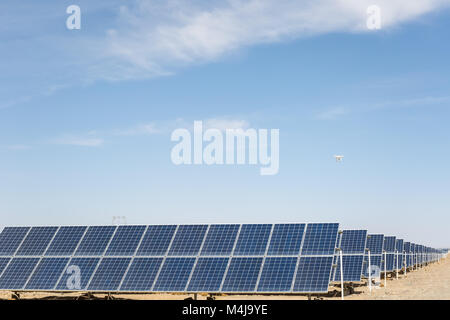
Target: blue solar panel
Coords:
[(188, 240), (389, 244), (313, 274), (109, 274), (390, 262), (77, 274), (141, 274), (10, 239), (47, 273), (375, 243), (65, 241), (17, 272), (399, 245), (353, 241), (156, 241), (95, 241), (242, 275), (320, 239), (208, 274), (353, 268), (253, 239), (174, 274), (286, 239), (220, 240), (277, 274), (36, 241), (125, 241)]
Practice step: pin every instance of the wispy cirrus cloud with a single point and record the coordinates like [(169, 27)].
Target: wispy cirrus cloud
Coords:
[(418, 102), (79, 141)]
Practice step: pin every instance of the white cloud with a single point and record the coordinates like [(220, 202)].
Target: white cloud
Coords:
[(154, 37)]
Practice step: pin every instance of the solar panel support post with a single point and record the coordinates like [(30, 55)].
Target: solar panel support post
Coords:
[(406, 263), (385, 271), (396, 266), (370, 272), (342, 274)]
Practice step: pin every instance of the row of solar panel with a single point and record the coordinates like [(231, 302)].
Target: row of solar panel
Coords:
[(171, 274), (355, 245), (171, 240)]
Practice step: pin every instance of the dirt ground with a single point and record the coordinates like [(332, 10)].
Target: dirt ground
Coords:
[(428, 283)]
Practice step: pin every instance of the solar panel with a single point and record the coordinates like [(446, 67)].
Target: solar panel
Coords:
[(313, 274), (11, 238), (208, 274), (353, 268), (390, 262), (109, 274), (174, 274), (188, 240), (286, 239), (47, 273), (17, 272), (156, 241), (125, 241), (77, 274), (320, 239), (242, 275), (220, 240), (36, 241), (353, 245), (65, 241), (95, 241), (353, 241), (277, 274), (375, 243), (253, 240), (141, 274), (389, 244), (399, 259)]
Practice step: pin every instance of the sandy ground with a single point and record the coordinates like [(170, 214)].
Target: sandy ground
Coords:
[(430, 282)]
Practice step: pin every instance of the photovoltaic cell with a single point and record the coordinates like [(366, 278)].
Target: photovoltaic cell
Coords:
[(17, 272), (156, 241), (65, 241), (320, 239), (109, 274), (174, 274), (390, 260), (141, 274), (313, 274), (208, 274), (220, 240), (353, 268), (242, 275), (277, 274), (286, 239), (47, 273), (95, 241), (188, 240), (125, 241), (353, 242), (77, 274), (10, 239), (36, 241), (375, 243), (253, 239)]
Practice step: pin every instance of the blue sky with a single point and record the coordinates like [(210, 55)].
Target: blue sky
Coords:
[(86, 115)]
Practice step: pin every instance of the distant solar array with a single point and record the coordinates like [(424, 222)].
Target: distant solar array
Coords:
[(215, 258)]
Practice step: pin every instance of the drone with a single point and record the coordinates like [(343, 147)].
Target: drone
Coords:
[(338, 158)]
